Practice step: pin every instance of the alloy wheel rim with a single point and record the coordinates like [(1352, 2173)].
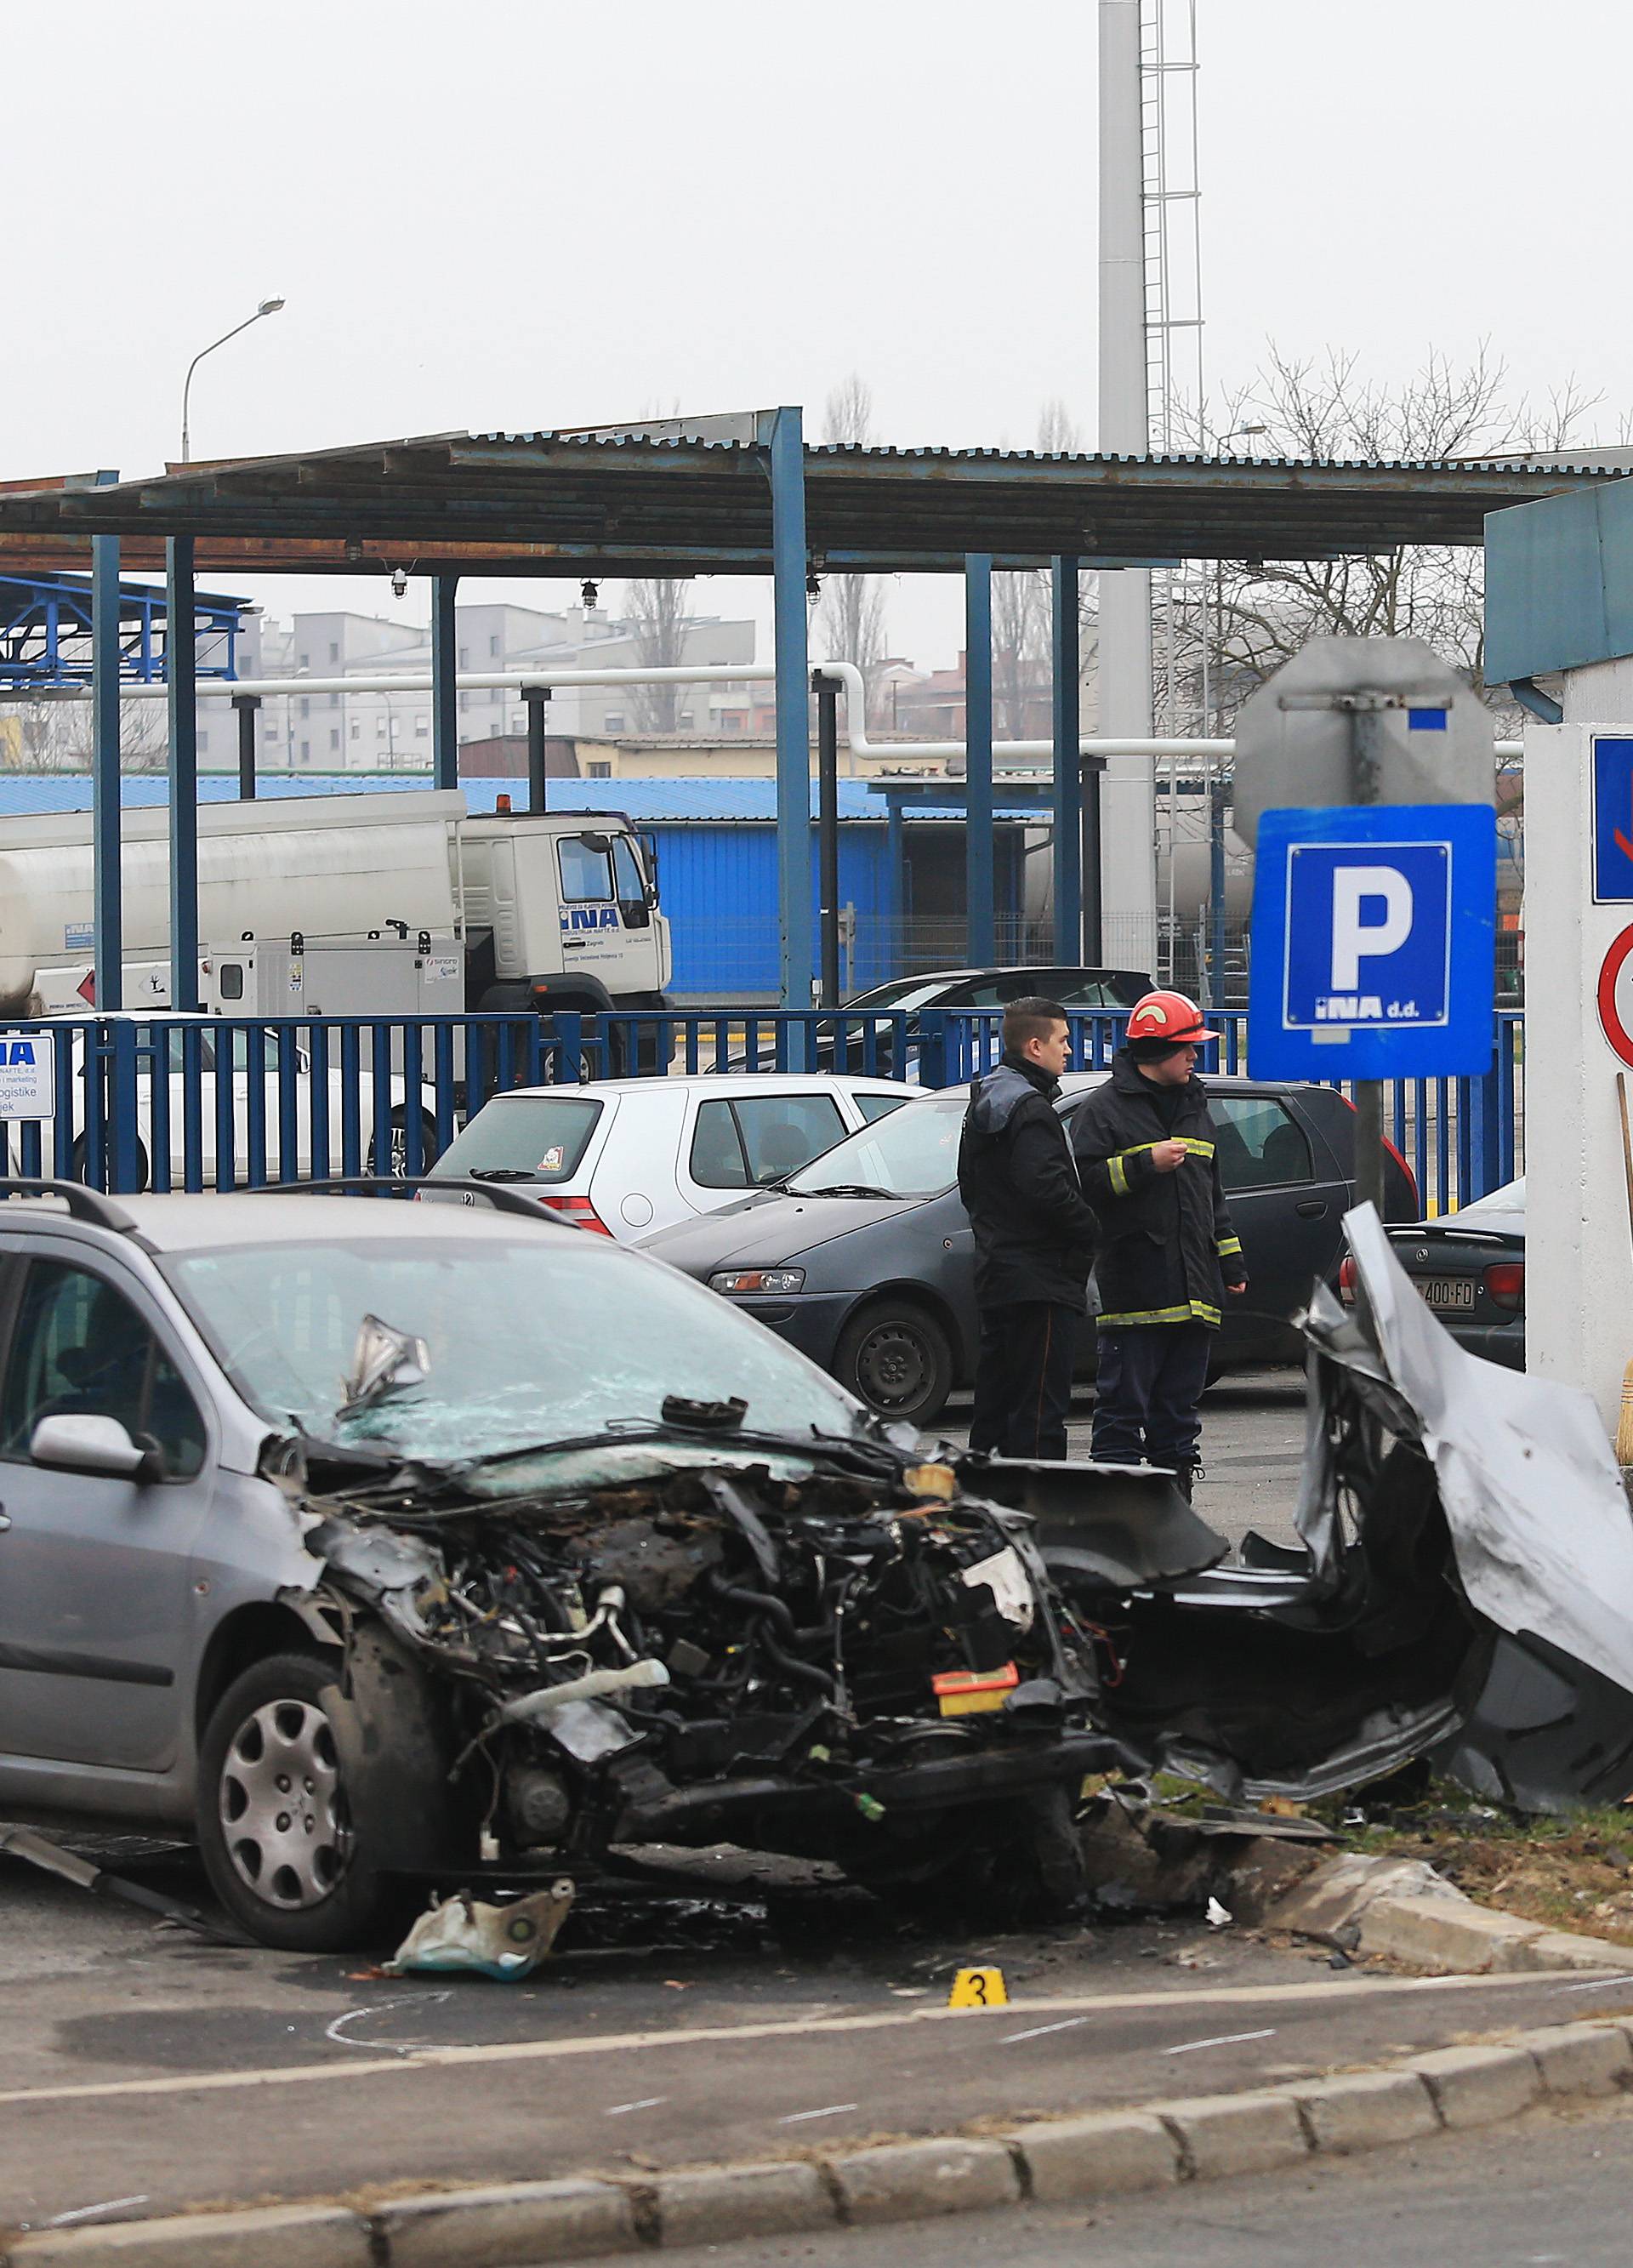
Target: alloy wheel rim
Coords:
[(283, 1814)]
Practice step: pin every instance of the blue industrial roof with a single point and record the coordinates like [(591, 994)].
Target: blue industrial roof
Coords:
[(648, 802)]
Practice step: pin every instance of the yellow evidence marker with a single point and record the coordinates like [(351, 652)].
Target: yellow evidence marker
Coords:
[(978, 1988)]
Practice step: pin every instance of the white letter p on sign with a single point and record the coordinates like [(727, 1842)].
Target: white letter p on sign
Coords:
[(1356, 940)]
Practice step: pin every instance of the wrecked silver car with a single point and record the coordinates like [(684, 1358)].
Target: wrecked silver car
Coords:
[(380, 1543)]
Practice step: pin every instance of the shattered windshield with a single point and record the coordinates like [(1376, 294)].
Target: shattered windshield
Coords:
[(537, 1341), (914, 1152)]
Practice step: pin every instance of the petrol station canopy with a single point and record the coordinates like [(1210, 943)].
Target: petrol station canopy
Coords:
[(693, 496)]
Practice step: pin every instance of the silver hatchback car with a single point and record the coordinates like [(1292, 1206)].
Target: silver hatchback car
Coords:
[(374, 1540)]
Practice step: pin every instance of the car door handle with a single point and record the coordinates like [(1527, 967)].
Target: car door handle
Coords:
[(1312, 1208)]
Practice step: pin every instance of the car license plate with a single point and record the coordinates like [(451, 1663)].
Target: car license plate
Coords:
[(1455, 1294)]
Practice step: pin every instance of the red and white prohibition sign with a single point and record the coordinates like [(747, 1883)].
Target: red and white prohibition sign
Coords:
[(1615, 995)]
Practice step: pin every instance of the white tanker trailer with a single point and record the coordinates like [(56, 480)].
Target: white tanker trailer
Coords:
[(552, 911)]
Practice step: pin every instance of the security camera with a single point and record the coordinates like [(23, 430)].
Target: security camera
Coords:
[(399, 581)]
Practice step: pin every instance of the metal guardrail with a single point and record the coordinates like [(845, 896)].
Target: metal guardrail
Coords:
[(223, 1103)]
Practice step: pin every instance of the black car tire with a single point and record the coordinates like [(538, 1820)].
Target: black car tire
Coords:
[(397, 1166), (895, 1356), (331, 1897)]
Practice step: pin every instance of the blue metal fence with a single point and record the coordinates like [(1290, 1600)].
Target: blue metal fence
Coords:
[(221, 1104)]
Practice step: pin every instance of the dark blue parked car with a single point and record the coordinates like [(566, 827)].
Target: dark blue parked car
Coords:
[(863, 1259)]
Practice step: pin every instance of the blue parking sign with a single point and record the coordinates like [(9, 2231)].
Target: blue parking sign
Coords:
[(1373, 942)]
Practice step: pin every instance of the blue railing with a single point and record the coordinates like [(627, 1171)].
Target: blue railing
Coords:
[(221, 1104)]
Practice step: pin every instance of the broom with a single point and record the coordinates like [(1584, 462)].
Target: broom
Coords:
[(1624, 1422)]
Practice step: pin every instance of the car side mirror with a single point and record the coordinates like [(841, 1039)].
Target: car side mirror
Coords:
[(93, 1445)]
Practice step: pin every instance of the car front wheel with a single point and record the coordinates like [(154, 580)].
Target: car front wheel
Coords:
[(275, 1810), (895, 1357)]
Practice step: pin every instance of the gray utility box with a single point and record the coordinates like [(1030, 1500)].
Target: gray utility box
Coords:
[(386, 976)]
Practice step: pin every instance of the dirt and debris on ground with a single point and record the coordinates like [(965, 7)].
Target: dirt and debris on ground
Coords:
[(1573, 1873)]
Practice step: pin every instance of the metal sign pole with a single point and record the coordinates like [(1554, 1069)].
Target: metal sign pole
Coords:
[(1365, 723), (827, 833)]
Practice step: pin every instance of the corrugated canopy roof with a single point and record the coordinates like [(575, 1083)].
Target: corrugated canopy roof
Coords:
[(695, 499)]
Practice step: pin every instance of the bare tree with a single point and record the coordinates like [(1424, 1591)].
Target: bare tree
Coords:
[(44, 738), (851, 620), (1021, 649), (660, 617), (1247, 620)]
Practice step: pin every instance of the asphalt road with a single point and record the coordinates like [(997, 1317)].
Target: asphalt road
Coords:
[(1548, 2192), (1252, 1448), (144, 2069)]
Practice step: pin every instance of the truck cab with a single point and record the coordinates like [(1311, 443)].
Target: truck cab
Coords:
[(562, 911)]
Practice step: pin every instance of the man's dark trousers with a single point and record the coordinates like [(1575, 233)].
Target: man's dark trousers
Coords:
[(1149, 1382), (1023, 1379)]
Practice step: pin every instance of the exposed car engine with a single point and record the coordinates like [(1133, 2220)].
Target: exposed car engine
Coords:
[(725, 1652)]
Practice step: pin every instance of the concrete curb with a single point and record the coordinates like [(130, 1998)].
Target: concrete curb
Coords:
[(1401, 1910), (1098, 2154)]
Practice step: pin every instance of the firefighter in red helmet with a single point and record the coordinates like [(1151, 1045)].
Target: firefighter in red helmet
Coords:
[(1146, 1150)]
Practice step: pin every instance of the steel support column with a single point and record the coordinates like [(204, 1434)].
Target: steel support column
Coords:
[(827, 833), (895, 956), (793, 696), (444, 688), (245, 708), (107, 900), (978, 925), (181, 679), (1092, 865), (537, 697), (1067, 768)]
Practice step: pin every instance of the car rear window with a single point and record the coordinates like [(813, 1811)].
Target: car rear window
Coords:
[(544, 1135)]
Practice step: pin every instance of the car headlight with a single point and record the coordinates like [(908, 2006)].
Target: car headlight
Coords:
[(757, 1279)]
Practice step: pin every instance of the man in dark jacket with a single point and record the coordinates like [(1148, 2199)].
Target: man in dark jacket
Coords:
[(1034, 1238), (1146, 1148)]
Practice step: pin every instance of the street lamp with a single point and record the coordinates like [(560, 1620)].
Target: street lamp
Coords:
[(266, 307)]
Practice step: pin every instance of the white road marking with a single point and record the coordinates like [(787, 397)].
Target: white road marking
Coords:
[(1601, 1984), (89, 2212), (1066, 2024), (1225, 2040), (647, 2102), (336, 2031), (713, 2036), (797, 2117)]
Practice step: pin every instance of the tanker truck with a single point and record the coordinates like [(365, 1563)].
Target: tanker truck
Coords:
[(543, 910)]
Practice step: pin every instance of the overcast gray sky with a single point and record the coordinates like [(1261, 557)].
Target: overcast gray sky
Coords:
[(512, 215)]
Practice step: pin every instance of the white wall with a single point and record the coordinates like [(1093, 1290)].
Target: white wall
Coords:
[(1578, 1243)]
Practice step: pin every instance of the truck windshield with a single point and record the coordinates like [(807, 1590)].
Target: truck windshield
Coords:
[(912, 1153), (549, 1337)]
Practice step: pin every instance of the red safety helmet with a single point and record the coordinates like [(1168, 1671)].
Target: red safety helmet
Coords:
[(1169, 1018)]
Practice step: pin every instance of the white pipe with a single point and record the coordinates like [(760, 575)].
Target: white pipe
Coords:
[(758, 672)]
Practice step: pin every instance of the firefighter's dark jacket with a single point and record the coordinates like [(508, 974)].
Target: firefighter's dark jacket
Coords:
[(1167, 1246), (1034, 1235)]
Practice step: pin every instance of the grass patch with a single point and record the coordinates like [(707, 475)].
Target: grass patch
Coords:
[(1574, 1873)]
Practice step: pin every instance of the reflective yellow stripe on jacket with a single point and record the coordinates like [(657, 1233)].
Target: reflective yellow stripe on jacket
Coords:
[(1118, 1172), (1228, 1245), (1192, 1311)]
